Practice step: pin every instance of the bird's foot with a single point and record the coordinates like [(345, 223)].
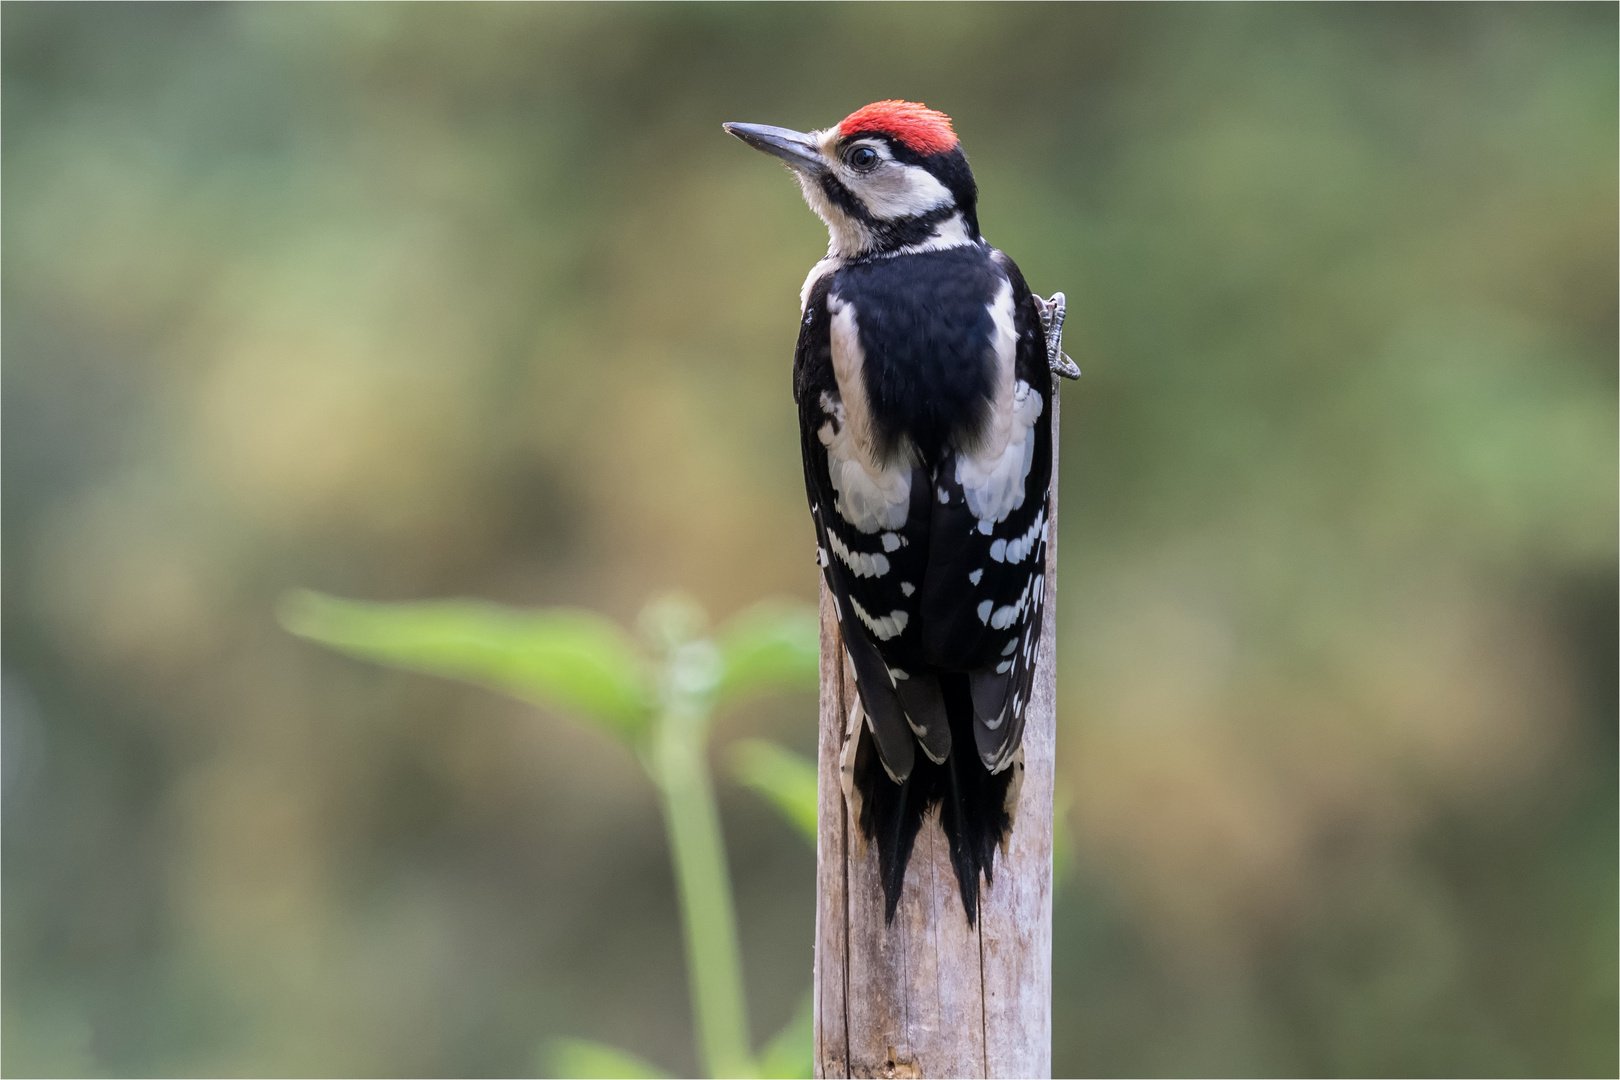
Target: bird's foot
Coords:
[(1052, 323)]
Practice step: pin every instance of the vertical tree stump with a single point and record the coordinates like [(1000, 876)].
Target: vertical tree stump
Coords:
[(930, 995)]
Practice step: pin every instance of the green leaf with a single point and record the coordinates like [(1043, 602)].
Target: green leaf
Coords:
[(771, 647), (670, 620), (781, 776), (791, 1054), (574, 661), (586, 1060)]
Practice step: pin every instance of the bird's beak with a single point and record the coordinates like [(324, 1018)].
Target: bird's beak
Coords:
[(794, 147)]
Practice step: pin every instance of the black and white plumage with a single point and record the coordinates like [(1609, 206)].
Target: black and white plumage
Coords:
[(922, 378)]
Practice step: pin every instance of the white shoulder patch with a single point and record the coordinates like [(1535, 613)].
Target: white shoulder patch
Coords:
[(870, 499), (870, 496), (827, 265), (993, 475)]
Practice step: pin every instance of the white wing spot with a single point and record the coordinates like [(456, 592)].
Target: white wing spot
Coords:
[(976, 576), (1012, 646), (884, 627), (859, 562), (1016, 551), (907, 588), (891, 542), (1008, 614), (1003, 667), (984, 610), (998, 551), (896, 673)]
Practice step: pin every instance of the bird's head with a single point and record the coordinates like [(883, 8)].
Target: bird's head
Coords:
[(888, 177)]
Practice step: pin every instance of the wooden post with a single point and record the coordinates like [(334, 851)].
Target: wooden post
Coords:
[(930, 995)]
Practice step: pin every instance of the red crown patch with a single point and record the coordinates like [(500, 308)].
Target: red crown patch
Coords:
[(924, 130)]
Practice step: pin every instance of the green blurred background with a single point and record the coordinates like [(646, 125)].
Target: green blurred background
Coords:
[(402, 302)]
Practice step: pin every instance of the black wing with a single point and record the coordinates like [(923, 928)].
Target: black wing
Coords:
[(875, 577), (984, 593)]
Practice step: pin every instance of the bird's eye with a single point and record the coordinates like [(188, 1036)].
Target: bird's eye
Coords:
[(862, 157)]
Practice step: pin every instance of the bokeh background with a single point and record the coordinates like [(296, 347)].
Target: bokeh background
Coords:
[(416, 301)]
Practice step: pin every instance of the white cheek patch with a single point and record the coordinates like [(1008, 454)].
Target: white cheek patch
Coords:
[(992, 477), (891, 192), (899, 191)]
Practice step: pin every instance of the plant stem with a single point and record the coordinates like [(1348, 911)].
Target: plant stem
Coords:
[(713, 959)]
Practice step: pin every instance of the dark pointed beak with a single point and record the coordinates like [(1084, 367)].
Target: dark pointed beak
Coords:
[(794, 147)]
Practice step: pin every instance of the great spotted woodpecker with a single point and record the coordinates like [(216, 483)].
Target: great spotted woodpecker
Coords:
[(922, 373)]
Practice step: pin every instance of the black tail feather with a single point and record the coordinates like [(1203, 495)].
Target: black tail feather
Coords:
[(971, 802)]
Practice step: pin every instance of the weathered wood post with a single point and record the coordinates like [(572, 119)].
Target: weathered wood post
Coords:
[(930, 995)]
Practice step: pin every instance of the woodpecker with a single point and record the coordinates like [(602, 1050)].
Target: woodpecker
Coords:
[(922, 375)]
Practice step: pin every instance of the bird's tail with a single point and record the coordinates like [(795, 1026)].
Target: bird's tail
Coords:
[(973, 804)]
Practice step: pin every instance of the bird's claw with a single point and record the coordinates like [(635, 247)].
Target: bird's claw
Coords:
[(1052, 324)]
